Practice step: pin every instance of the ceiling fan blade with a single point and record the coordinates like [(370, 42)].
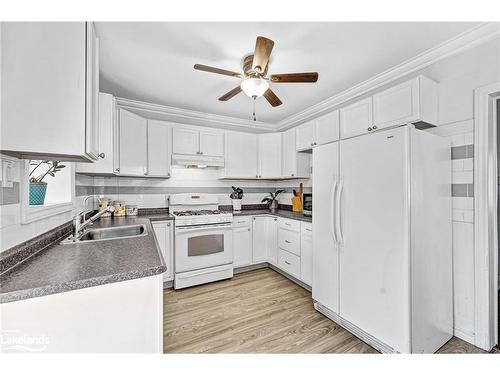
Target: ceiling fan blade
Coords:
[(263, 48), (294, 77), (211, 69), (230, 94), (272, 98)]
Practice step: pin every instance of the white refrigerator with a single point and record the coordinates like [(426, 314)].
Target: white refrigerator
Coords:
[(382, 250)]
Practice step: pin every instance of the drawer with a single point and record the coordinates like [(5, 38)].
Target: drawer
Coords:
[(289, 241), (289, 224), (241, 221), (289, 263), (306, 229)]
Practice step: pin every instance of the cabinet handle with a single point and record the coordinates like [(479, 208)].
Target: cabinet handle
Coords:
[(117, 170), (275, 219), (168, 174), (288, 224), (168, 224), (309, 230), (102, 155), (286, 262), (287, 241), (374, 127), (293, 175), (369, 129), (248, 229)]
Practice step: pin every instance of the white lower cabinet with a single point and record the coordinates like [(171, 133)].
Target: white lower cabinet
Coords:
[(272, 239), (164, 235), (242, 241), (260, 243), (289, 263)]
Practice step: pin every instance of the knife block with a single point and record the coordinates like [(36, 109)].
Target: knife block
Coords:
[(296, 204)]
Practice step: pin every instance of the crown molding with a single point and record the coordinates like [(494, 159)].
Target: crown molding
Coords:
[(466, 40), (186, 116), (462, 42)]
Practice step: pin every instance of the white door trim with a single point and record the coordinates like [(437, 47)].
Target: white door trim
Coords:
[(485, 217)]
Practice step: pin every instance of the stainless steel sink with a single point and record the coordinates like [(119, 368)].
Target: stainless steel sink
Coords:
[(112, 233)]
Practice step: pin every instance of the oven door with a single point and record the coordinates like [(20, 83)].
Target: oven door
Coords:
[(202, 246)]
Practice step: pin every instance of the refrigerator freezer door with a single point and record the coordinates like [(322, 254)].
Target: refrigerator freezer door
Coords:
[(325, 287), (374, 255)]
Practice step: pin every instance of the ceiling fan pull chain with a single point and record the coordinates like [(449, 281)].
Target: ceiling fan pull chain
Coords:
[(254, 118)]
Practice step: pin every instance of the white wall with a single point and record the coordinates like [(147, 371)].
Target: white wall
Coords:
[(458, 76)]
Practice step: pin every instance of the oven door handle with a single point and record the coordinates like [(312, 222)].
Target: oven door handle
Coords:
[(202, 227)]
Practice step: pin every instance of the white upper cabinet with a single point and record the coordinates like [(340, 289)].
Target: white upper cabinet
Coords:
[(317, 132), (269, 155), (133, 144), (185, 141), (241, 155), (158, 150), (327, 129), (295, 164), (304, 136), (211, 143), (196, 141), (44, 93), (414, 101), (107, 123), (356, 119)]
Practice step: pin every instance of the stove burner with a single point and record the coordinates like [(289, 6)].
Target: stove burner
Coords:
[(197, 213)]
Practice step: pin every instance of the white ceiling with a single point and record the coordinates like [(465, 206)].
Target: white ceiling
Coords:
[(153, 62)]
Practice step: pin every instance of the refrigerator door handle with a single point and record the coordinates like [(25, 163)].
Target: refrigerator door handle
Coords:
[(333, 209), (338, 218)]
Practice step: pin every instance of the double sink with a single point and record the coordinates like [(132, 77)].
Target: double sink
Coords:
[(101, 234)]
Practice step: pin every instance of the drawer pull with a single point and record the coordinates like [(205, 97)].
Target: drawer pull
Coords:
[(287, 241), (309, 230), (241, 222), (286, 262), (288, 224)]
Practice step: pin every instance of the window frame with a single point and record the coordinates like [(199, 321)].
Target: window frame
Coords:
[(29, 213)]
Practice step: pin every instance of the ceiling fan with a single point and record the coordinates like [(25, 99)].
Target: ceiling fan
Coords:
[(255, 81)]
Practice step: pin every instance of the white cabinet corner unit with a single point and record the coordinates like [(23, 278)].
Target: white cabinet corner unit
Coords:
[(382, 238), (50, 85)]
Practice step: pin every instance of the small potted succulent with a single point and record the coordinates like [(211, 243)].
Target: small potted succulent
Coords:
[(272, 199), (236, 197), (38, 187)]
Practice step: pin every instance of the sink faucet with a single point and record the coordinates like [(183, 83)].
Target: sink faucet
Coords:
[(79, 222)]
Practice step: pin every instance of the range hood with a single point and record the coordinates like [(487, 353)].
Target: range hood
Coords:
[(199, 161)]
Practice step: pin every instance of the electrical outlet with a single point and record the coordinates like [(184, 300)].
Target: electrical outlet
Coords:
[(7, 173)]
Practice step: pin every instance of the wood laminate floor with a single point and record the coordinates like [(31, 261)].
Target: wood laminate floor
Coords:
[(259, 311)]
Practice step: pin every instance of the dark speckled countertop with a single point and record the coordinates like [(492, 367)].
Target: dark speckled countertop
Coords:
[(280, 213), (61, 268)]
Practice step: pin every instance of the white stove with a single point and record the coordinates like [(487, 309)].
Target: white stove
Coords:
[(203, 240)]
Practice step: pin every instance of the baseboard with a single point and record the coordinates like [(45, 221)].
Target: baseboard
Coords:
[(251, 267), (468, 337), (168, 284)]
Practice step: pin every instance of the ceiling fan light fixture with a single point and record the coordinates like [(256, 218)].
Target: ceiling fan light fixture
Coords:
[(254, 87)]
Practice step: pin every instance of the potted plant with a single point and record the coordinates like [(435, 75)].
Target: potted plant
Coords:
[(236, 197), (38, 187), (272, 199)]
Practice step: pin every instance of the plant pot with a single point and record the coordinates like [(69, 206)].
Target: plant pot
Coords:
[(37, 193), (274, 205), (236, 204)]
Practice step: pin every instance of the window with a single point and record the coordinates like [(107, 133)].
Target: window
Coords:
[(48, 188)]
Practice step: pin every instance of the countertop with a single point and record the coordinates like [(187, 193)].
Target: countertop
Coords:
[(61, 268), (280, 213)]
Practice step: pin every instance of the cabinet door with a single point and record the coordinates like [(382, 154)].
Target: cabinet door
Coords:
[(211, 143), (92, 93), (306, 259), (272, 240), (158, 155), (105, 163), (43, 89), (185, 141), (260, 249), (289, 153), (304, 136), (356, 118), (397, 105), (133, 144), (269, 155), (241, 155), (242, 246), (327, 129), (163, 233)]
